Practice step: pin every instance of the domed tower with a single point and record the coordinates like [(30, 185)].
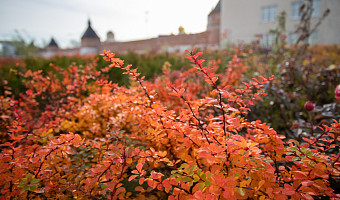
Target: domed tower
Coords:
[(90, 42), (110, 37), (213, 28), (181, 30)]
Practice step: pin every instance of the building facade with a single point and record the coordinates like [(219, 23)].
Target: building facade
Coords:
[(247, 20), (7, 49), (230, 22), (91, 43)]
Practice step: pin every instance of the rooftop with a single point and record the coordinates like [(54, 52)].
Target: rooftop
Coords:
[(89, 33), (217, 9), (52, 43)]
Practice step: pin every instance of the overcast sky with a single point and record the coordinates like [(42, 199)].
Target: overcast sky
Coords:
[(66, 20)]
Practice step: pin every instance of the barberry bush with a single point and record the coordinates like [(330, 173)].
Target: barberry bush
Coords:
[(185, 135), (311, 76)]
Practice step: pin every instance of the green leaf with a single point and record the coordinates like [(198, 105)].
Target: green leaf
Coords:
[(309, 153), (193, 168), (295, 159), (201, 186), (187, 179), (29, 175), (32, 188), (102, 186), (189, 171), (88, 165), (236, 175), (293, 148), (34, 181), (178, 179), (199, 172), (204, 177), (174, 175), (303, 149), (196, 178), (183, 165), (207, 183)]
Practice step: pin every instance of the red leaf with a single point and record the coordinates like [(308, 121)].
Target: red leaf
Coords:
[(307, 183), (288, 190)]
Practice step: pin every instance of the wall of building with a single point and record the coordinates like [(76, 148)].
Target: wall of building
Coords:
[(329, 30), (167, 43), (241, 20), (91, 44), (213, 30), (7, 49)]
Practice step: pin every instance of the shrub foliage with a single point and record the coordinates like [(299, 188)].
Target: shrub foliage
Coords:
[(184, 135)]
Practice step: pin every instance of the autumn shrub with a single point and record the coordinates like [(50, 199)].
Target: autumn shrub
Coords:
[(312, 76), (184, 135), (149, 65)]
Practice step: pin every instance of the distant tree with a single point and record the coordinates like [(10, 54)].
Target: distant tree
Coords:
[(22, 48)]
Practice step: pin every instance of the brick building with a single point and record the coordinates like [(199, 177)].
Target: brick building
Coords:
[(91, 44), (230, 22)]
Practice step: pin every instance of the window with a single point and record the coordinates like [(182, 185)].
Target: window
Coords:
[(295, 12), (296, 9), (316, 8), (267, 40), (293, 37), (269, 13), (313, 37)]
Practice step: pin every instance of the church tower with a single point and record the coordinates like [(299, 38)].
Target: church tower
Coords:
[(51, 49), (213, 29), (90, 42)]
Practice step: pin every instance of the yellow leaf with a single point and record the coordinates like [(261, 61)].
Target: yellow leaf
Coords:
[(262, 197), (129, 160), (243, 183)]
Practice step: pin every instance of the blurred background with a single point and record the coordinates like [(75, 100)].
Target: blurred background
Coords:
[(66, 21), (86, 27)]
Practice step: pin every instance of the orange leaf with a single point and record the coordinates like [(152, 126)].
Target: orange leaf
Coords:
[(139, 167), (166, 184), (132, 177), (141, 181)]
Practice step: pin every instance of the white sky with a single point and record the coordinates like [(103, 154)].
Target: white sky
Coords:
[(66, 20)]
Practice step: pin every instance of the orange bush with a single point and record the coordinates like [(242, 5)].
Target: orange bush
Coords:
[(189, 138)]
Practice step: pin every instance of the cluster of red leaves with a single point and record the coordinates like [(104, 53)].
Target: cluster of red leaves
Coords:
[(84, 137)]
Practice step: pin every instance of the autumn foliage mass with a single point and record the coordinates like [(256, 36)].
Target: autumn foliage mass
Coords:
[(186, 135)]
